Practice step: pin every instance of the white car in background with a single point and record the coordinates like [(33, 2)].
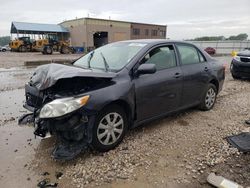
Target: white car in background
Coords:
[(4, 48)]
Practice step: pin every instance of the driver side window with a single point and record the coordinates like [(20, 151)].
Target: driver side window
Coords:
[(163, 57)]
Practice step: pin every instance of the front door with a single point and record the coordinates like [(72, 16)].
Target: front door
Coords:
[(159, 93)]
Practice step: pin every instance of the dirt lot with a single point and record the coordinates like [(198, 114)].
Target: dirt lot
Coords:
[(174, 152)]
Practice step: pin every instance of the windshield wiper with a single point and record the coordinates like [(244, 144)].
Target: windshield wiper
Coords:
[(90, 57), (105, 62)]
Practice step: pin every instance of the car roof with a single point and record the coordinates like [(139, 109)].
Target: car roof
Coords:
[(155, 41)]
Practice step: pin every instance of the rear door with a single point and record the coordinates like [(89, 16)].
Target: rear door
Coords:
[(196, 73), (160, 92)]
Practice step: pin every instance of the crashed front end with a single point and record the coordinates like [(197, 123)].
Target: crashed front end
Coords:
[(58, 106)]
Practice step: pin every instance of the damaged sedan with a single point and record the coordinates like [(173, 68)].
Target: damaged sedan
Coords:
[(94, 101)]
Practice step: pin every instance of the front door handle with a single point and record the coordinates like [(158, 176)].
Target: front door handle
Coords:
[(177, 75)]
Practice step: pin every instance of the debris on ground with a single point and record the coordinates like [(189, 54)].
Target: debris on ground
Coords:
[(68, 151), (59, 175), (46, 183), (45, 174), (247, 122), (240, 141), (26, 119), (221, 182)]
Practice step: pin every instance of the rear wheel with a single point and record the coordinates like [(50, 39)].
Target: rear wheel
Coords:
[(209, 98), (47, 50), (110, 128), (3, 50)]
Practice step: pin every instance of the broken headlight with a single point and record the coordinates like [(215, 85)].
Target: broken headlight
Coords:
[(60, 107)]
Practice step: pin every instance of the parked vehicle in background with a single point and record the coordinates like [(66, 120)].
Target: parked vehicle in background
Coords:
[(117, 87), (240, 66), (21, 44), (4, 48), (210, 50), (47, 45), (53, 44)]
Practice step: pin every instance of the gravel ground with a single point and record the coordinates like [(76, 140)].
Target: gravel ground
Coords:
[(182, 149), (177, 151)]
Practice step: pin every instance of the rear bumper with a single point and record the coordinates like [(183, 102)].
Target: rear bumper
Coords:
[(240, 69)]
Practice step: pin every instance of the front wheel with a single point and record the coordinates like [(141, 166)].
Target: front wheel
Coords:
[(109, 129), (209, 98)]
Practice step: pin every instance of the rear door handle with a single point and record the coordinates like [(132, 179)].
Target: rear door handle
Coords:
[(177, 75)]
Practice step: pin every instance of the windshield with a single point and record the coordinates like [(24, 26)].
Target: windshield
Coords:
[(111, 57)]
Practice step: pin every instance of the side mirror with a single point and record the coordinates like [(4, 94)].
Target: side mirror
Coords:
[(146, 69)]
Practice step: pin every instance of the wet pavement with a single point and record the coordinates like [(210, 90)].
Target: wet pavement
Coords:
[(21, 152), (14, 78), (17, 146)]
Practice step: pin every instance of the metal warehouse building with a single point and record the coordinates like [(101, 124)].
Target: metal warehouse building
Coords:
[(92, 32), (32, 29)]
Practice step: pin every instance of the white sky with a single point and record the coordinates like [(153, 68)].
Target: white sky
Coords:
[(185, 18)]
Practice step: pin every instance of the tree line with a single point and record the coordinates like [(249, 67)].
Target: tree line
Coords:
[(242, 36)]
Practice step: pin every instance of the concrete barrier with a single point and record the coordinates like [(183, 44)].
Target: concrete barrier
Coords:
[(43, 62)]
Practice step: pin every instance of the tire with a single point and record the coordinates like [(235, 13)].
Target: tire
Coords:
[(22, 49), (48, 50), (65, 50), (235, 77), (3, 50), (209, 98), (102, 130)]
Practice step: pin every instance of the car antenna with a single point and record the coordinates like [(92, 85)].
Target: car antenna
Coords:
[(105, 62)]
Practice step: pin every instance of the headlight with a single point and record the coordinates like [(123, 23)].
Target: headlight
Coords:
[(237, 58), (60, 107)]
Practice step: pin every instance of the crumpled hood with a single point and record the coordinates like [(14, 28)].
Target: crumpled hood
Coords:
[(244, 53), (46, 76)]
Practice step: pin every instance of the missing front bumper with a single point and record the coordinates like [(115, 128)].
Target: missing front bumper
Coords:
[(70, 131)]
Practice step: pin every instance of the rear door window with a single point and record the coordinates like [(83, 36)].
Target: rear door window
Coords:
[(189, 54)]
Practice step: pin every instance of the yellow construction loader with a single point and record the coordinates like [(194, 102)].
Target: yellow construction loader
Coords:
[(21, 44), (39, 44), (52, 44)]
